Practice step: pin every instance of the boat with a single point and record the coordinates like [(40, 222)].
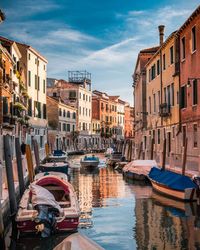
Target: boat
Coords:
[(62, 167), (57, 156), (48, 206), (138, 169), (59, 174), (108, 152), (78, 241), (89, 161), (172, 184)]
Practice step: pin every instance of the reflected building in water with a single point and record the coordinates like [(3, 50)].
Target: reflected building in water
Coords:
[(161, 226)]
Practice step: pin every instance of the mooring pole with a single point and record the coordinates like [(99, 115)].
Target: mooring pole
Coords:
[(184, 156), (164, 154), (152, 147), (36, 153), (19, 167), (131, 149), (9, 174), (29, 163), (140, 150)]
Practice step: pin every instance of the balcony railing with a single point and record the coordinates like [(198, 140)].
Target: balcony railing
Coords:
[(165, 110)]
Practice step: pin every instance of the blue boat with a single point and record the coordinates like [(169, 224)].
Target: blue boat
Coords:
[(173, 184), (57, 156), (89, 161)]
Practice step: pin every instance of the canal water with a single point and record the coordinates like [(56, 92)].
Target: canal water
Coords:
[(119, 214)]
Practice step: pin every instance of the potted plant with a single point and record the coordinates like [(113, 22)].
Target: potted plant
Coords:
[(19, 106)]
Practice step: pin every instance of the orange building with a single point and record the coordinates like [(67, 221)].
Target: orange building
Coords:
[(129, 121)]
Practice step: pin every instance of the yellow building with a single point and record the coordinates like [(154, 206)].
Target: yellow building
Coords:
[(162, 98)]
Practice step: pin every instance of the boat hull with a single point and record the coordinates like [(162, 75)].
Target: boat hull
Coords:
[(49, 167), (188, 194), (135, 176), (89, 164), (68, 224)]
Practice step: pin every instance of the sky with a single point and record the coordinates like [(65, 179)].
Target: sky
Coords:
[(103, 37)]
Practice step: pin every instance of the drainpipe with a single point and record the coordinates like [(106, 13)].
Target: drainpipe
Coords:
[(161, 36)]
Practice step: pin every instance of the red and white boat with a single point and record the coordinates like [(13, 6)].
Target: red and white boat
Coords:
[(55, 195)]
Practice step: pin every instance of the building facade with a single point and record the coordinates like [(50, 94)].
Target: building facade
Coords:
[(129, 115), (189, 42), (61, 124)]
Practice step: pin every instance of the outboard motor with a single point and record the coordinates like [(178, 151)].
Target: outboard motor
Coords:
[(46, 219)]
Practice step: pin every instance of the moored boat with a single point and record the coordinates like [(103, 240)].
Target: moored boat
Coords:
[(138, 169), (62, 167), (78, 241), (48, 205), (173, 184), (57, 156), (89, 161)]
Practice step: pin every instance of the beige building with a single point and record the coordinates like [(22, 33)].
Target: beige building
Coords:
[(61, 123), (162, 99)]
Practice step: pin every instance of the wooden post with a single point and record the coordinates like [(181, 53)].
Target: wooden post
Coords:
[(164, 154), (152, 147), (36, 153), (46, 149), (19, 167), (29, 163), (184, 156), (9, 174), (131, 149), (140, 150)]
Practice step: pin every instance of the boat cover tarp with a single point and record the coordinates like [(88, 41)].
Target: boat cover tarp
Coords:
[(41, 196), (171, 179), (140, 165), (91, 158)]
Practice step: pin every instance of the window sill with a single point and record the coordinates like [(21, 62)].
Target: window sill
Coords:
[(183, 60), (193, 52)]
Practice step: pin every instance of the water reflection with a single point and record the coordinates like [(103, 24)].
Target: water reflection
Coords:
[(127, 215)]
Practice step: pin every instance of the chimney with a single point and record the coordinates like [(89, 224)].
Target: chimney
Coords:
[(161, 33)]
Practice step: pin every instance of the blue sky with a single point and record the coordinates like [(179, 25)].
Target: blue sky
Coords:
[(102, 37)]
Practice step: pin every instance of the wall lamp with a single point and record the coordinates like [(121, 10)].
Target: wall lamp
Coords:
[(191, 79)]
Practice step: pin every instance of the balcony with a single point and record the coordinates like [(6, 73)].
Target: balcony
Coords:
[(165, 110)]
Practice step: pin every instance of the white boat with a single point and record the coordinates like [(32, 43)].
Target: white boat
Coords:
[(78, 241), (58, 195), (57, 156), (89, 161), (138, 169)]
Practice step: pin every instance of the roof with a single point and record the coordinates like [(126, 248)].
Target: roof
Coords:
[(24, 45), (162, 46), (190, 18), (60, 101)]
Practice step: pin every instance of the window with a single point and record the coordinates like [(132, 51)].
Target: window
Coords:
[(149, 105), (195, 136), (193, 39), (183, 97), (29, 78), (83, 111), (153, 72), (183, 47), (84, 97), (38, 83), (149, 75), (44, 86), (154, 103), (29, 56), (172, 55), (89, 98), (177, 96), (194, 92), (164, 62), (30, 107), (68, 114), (59, 126), (44, 111), (172, 93), (165, 95), (60, 112), (64, 113), (73, 127), (158, 67), (64, 126), (159, 99), (68, 127), (35, 81), (72, 95), (86, 111), (168, 96), (44, 67), (80, 110), (89, 112), (74, 115)]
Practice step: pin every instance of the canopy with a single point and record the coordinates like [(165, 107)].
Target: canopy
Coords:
[(170, 179)]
